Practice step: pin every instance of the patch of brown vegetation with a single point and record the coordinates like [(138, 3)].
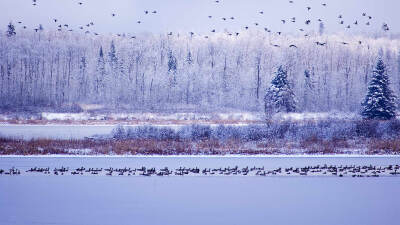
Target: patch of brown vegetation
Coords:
[(390, 145), (314, 145)]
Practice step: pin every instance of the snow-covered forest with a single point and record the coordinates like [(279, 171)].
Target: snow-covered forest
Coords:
[(175, 72)]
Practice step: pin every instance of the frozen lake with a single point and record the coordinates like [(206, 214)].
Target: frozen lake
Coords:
[(55, 131), (197, 200)]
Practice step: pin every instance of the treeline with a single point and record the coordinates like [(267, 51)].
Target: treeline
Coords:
[(171, 72)]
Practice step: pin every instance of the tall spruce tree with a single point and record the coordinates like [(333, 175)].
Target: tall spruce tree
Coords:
[(10, 30), (380, 101), (172, 68), (308, 91), (100, 76), (279, 96)]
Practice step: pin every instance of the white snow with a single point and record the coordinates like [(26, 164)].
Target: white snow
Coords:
[(316, 116), (235, 116)]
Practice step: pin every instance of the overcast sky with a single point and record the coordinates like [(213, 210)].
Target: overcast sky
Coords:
[(192, 15)]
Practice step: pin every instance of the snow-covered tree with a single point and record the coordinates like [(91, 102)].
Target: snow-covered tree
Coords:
[(380, 100), (100, 76), (308, 91), (172, 68), (82, 79), (46, 68), (279, 96), (321, 28), (10, 30)]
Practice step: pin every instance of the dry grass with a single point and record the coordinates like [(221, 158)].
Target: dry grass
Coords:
[(314, 145), (377, 145), (189, 147)]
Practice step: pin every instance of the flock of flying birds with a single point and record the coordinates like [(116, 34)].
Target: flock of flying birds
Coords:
[(367, 22)]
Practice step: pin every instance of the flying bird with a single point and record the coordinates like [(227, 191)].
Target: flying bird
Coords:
[(385, 27)]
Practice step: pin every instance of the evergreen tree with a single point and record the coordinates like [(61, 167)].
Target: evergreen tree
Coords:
[(113, 75), (172, 68), (82, 77), (308, 90), (321, 28), (100, 74), (189, 58), (380, 100), (10, 30), (279, 96), (113, 55), (172, 63)]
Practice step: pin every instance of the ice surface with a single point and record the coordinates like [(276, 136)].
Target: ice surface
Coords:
[(28, 132), (197, 200)]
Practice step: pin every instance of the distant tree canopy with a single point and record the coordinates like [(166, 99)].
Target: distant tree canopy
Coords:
[(279, 96), (380, 100), (170, 72)]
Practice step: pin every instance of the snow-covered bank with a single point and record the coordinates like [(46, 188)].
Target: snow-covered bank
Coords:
[(143, 118)]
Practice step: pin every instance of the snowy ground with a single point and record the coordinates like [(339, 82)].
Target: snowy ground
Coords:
[(166, 118), (105, 200)]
